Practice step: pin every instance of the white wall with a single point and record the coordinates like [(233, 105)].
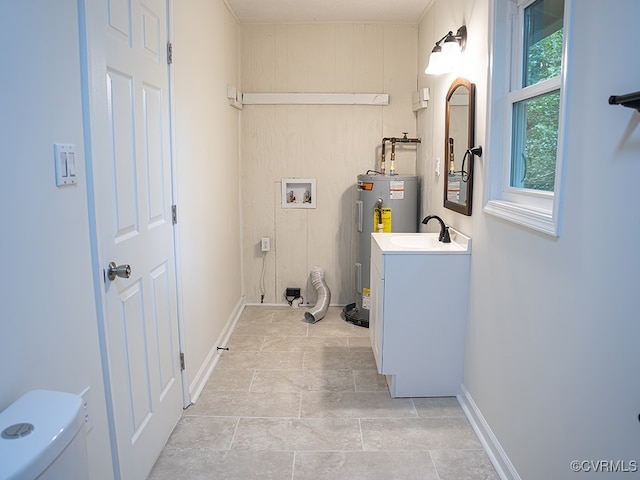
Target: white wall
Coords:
[(438, 20), (206, 47), (553, 325), (48, 326), (330, 143)]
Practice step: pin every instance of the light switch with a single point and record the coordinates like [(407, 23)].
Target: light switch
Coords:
[(64, 172), (71, 164), (65, 163)]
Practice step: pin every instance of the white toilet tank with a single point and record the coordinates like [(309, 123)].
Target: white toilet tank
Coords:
[(42, 437)]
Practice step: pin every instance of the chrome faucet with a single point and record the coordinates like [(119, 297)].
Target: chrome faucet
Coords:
[(444, 230)]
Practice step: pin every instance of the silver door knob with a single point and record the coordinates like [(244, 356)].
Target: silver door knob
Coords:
[(122, 271)]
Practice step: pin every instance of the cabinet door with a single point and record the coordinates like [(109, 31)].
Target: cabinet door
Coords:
[(376, 315)]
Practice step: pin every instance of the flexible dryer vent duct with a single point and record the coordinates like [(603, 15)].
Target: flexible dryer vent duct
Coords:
[(324, 296)]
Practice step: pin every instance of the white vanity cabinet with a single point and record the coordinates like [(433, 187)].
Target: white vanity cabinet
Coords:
[(418, 314)]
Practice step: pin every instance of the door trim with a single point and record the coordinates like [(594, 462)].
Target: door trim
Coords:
[(95, 247), (186, 397)]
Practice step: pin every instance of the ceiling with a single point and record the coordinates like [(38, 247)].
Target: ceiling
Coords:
[(325, 11)]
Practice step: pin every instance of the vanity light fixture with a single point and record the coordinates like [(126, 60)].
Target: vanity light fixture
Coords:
[(446, 52)]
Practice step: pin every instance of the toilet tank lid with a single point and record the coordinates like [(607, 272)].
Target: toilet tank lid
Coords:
[(56, 417)]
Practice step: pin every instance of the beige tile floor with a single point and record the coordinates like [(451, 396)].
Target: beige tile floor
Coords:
[(291, 400)]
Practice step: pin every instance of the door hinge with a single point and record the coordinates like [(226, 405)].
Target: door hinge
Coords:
[(174, 214), (169, 53), (181, 362)]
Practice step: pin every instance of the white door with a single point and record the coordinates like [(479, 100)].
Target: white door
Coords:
[(129, 162)]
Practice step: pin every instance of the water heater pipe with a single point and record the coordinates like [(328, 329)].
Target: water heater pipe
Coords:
[(324, 296), (392, 169), (393, 141), (378, 210)]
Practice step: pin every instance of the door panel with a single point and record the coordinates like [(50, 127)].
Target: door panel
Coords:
[(121, 137), (134, 343), (163, 328), (157, 198), (128, 82), (119, 21)]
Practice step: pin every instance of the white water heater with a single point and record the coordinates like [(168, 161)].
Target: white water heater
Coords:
[(386, 203)]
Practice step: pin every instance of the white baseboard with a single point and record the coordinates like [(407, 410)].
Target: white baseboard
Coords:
[(206, 369), (490, 443), (267, 305), (304, 305)]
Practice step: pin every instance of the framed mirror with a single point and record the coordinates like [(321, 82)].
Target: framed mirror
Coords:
[(459, 132)]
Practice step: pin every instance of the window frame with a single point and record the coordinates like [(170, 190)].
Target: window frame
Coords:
[(536, 209)]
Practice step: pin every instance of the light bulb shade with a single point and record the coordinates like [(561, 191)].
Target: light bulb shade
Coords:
[(446, 55), (437, 64), (450, 47)]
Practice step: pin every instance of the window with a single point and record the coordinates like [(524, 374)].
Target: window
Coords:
[(535, 142), (526, 112)]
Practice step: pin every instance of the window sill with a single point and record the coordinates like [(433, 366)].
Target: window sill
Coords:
[(535, 218)]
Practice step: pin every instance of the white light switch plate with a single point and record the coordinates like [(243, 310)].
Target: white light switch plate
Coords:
[(65, 162)]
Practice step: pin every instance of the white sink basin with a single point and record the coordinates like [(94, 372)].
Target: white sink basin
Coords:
[(422, 243)]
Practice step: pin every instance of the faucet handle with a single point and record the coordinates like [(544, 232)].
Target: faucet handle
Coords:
[(445, 238)]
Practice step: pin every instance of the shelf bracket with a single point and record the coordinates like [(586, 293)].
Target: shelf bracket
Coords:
[(315, 99)]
